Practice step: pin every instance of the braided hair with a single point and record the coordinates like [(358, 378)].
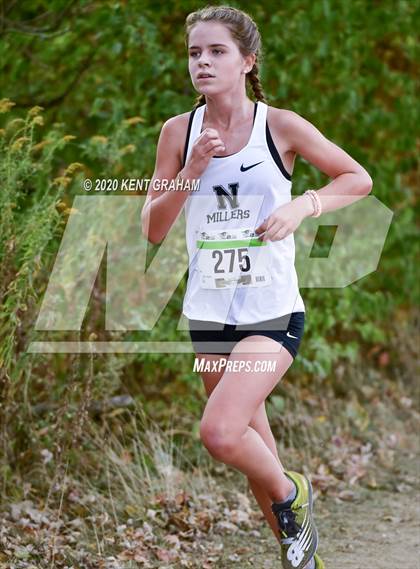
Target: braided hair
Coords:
[(244, 31)]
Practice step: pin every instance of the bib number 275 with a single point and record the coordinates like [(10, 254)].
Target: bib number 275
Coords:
[(243, 261)]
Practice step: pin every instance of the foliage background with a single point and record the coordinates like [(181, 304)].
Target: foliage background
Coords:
[(86, 86)]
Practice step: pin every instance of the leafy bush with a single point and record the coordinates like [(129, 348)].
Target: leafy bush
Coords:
[(91, 100)]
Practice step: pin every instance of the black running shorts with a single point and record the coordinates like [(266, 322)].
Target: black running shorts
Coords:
[(286, 329)]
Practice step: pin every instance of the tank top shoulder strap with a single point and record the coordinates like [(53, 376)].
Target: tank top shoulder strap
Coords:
[(258, 132)]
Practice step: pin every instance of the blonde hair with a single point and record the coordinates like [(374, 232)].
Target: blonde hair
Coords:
[(244, 32)]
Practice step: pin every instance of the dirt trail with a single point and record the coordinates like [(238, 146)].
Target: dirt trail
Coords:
[(380, 530)]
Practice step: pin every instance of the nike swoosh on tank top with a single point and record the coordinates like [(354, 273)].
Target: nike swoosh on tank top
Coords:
[(231, 277)]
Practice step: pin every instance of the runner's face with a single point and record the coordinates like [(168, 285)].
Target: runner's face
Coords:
[(212, 50)]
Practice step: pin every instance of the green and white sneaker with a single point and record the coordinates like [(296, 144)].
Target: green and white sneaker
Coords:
[(298, 533)]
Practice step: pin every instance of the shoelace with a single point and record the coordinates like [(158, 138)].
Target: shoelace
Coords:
[(287, 521), (288, 524)]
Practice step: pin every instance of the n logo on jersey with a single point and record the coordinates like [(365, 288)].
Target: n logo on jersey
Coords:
[(224, 196)]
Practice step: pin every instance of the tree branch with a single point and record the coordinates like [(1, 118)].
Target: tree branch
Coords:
[(7, 26), (86, 63)]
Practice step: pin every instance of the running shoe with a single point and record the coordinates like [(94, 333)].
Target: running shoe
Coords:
[(298, 533), (319, 564)]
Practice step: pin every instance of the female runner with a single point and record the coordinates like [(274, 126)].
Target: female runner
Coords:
[(242, 299)]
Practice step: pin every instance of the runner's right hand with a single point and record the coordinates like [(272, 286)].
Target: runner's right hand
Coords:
[(204, 148)]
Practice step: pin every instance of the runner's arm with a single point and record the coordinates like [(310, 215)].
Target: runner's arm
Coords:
[(162, 207), (350, 182)]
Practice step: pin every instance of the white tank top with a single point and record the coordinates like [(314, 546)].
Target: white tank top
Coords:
[(231, 278)]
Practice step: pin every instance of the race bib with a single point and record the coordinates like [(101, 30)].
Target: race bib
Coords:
[(231, 258)]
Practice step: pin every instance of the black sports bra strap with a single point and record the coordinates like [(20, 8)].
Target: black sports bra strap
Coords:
[(187, 138)]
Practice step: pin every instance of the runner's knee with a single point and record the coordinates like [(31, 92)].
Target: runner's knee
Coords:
[(220, 440)]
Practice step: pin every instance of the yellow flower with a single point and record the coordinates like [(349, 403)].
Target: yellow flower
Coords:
[(68, 137), (134, 120), (61, 181), (99, 138), (38, 120), (71, 168), (40, 145), (35, 111), (18, 143), (70, 210), (6, 105), (129, 149), (61, 205)]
